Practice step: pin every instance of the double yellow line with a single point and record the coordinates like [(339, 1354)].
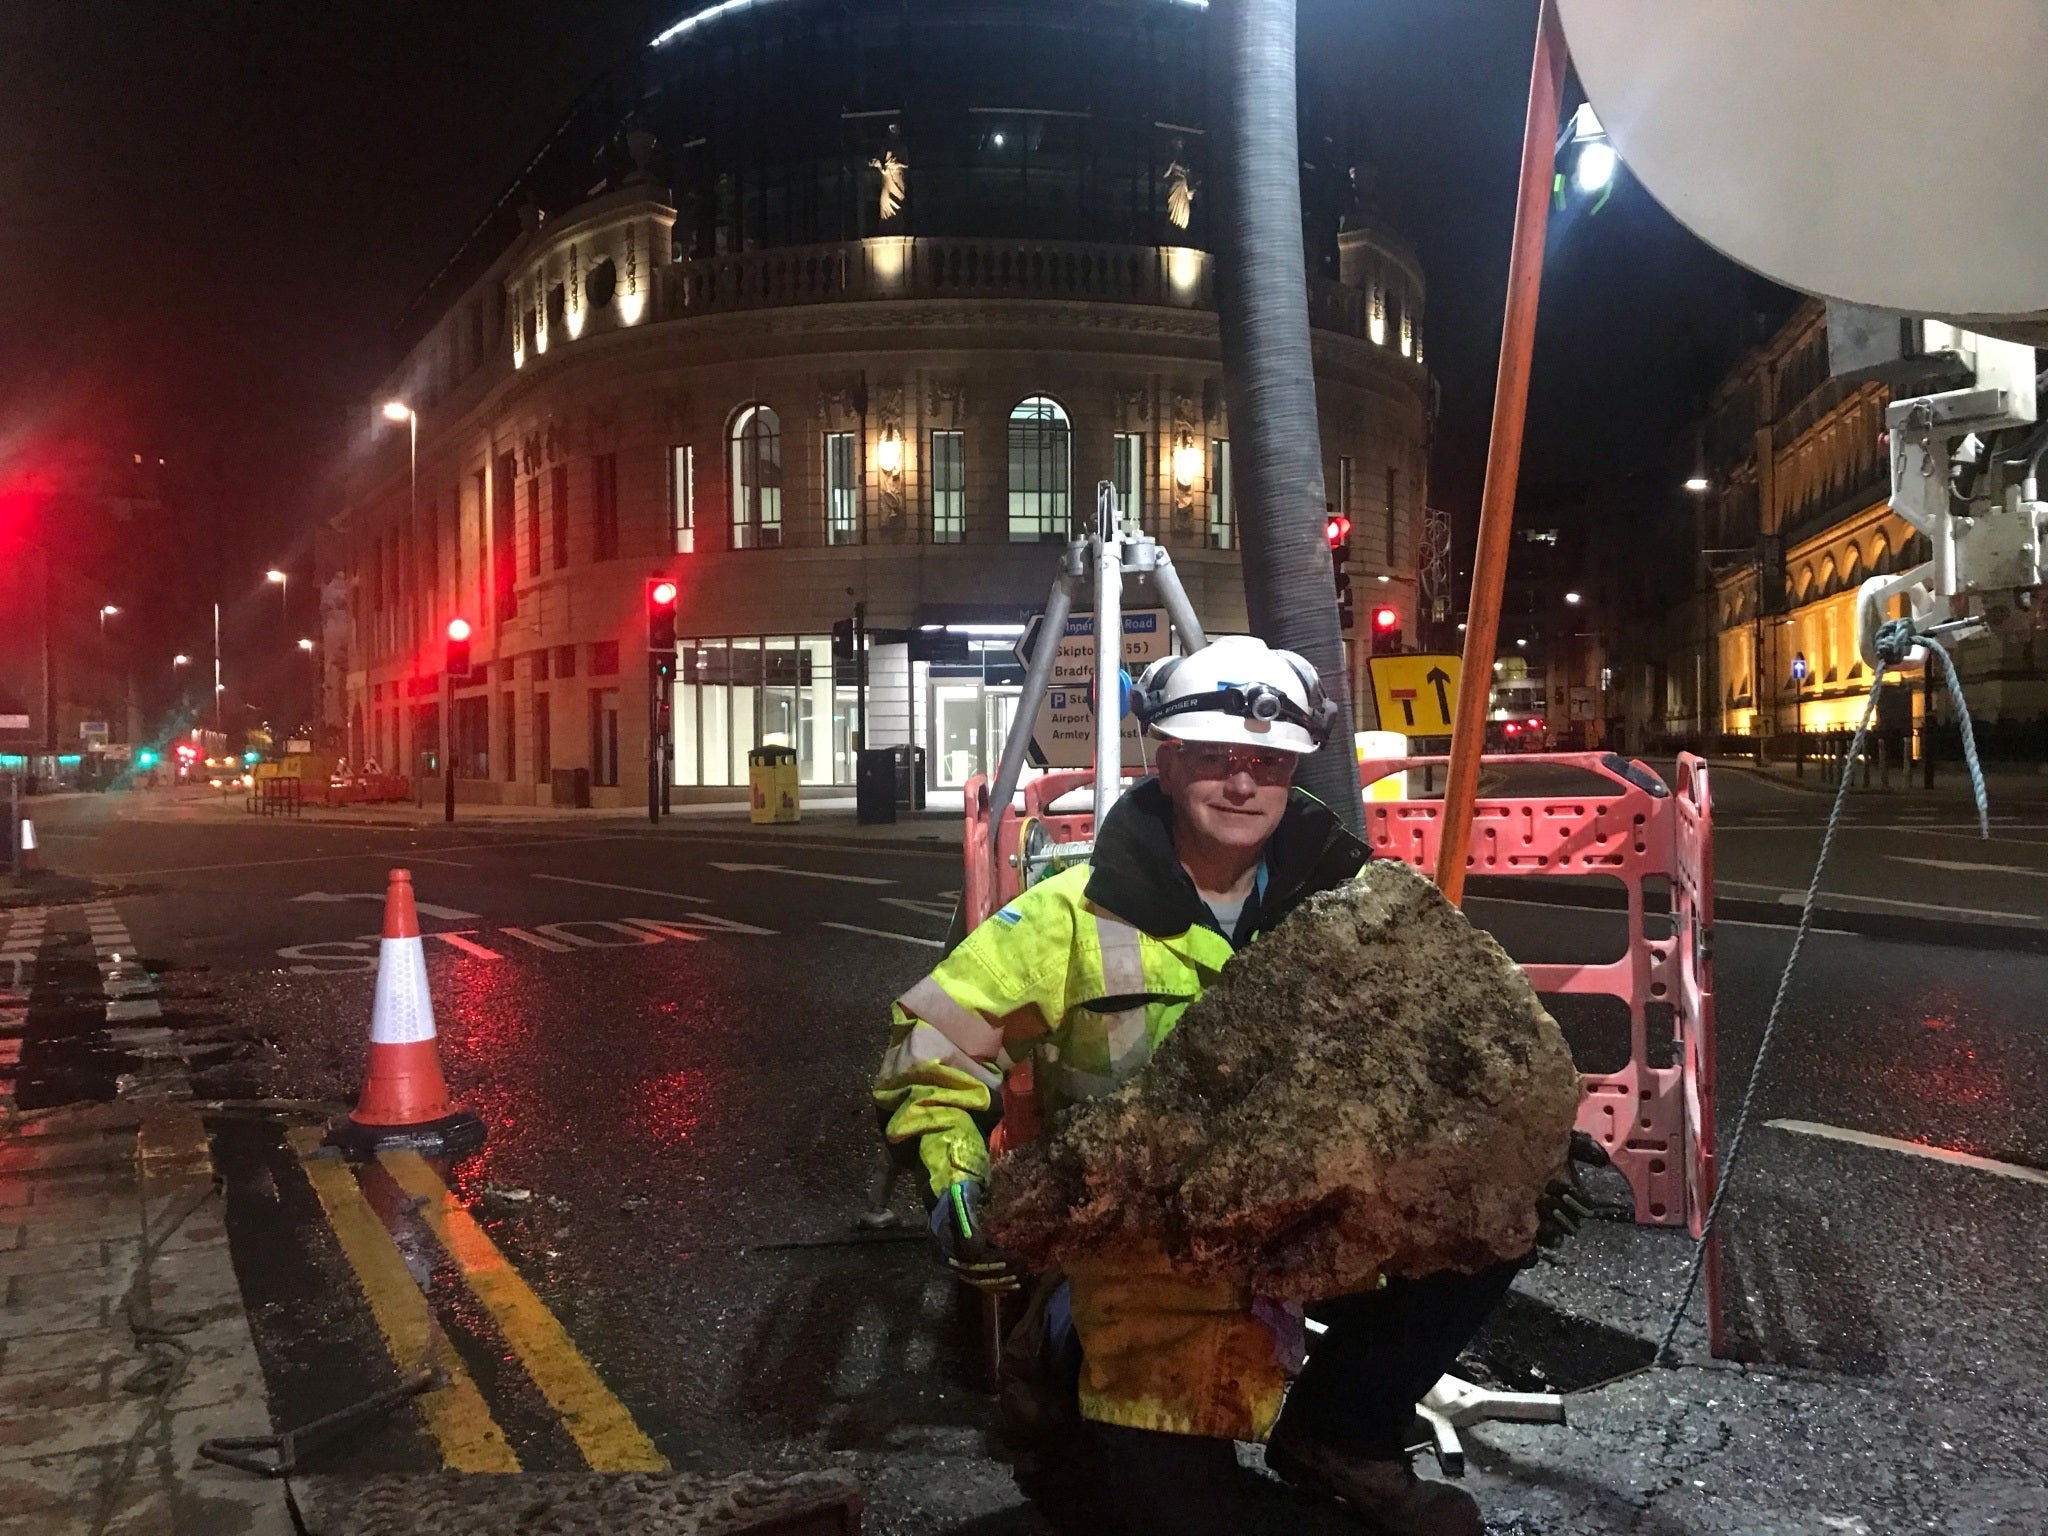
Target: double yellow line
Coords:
[(456, 1414)]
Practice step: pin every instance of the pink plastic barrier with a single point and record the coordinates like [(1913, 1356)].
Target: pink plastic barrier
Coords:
[(1656, 1123)]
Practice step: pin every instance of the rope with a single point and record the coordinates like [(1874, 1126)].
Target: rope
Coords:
[(1891, 649), (1955, 694)]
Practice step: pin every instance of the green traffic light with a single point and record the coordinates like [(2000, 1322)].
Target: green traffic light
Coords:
[(146, 758), (252, 758)]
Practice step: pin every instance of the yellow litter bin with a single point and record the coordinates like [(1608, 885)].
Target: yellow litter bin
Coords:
[(771, 773)]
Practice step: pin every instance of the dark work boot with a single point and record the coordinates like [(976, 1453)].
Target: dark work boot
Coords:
[(1387, 1493)]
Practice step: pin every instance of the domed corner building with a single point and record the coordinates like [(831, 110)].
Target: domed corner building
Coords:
[(825, 302)]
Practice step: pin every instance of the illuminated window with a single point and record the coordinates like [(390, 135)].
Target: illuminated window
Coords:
[(756, 479), (949, 487), (1219, 493), (682, 499), (842, 490), (1040, 471), (1127, 465)]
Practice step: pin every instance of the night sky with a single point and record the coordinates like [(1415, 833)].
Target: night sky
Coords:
[(212, 214)]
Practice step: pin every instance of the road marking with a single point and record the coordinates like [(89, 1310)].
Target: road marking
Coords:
[(1843, 901), (561, 931), (631, 890), (1969, 868), (667, 930), (802, 874), (1912, 1149), (598, 1422), (885, 933), (424, 908), (942, 910), (335, 965), (384, 858), (535, 940), (462, 1426), (467, 946)]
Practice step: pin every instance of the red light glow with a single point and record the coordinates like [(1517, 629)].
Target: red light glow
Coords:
[(664, 594), (1385, 618), (1337, 529), (458, 629)]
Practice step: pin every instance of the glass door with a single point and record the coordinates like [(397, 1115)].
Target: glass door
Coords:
[(957, 711), (1000, 713)]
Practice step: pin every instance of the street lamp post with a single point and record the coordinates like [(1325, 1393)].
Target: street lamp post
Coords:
[(106, 612), (284, 581), (313, 664), (398, 410)]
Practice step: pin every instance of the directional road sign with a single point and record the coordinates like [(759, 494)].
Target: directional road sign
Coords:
[(1063, 735), (1416, 694)]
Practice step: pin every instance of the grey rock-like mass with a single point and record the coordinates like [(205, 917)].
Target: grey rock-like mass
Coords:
[(1372, 1088)]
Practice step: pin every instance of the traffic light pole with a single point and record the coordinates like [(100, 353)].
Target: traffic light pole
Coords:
[(860, 680), (447, 744), (654, 744)]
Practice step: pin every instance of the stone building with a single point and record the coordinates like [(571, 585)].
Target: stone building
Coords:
[(1794, 515), (858, 305)]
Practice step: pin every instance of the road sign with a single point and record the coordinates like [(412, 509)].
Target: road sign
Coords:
[(93, 733), (13, 722), (1063, 735), (1416, 694)]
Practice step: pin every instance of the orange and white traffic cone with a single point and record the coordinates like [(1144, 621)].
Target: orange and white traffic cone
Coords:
[(31, 856), (405, 1099)]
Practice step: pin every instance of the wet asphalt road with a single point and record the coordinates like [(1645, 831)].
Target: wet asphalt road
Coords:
[(672, 1060)]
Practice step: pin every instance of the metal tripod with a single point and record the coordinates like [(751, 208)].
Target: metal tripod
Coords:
[(1105, 557)]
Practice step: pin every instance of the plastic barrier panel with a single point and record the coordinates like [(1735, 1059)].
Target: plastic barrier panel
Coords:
[(1655, 1122)]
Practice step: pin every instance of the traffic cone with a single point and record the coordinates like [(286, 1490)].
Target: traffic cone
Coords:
[(31, 857), (405, 1099)]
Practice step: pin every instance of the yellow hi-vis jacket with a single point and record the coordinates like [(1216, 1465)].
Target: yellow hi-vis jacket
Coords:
[(1062, 996)]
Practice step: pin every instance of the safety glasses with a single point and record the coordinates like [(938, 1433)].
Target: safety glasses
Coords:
[(1212, 760)]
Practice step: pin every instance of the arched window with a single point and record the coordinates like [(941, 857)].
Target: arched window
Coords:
[(1806, 587), (756, 479), (1852, 567), (1040, 470), (1880, 556), (1828, 583)]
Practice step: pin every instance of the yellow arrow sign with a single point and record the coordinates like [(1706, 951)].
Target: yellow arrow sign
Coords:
[(1416, 694)]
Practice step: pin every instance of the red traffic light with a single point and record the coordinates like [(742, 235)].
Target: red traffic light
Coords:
[(1385, 618), (662, 594), (1337, 529), (458, 629)]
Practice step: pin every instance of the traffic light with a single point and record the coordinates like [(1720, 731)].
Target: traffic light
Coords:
[(146, 758), (458, 648), (1386, 631), (661, 616), (1337, 532), (842, 639)]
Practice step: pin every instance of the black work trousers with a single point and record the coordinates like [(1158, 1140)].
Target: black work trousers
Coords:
[(1383, 1350)]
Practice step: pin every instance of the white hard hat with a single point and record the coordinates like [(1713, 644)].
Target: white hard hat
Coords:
[(1237, 690)]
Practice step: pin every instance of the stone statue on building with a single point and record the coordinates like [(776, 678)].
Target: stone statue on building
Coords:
[(1180, 196), (894, 176)]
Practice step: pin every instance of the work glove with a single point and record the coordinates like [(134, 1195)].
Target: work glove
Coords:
[(1565, 1203), (963, 1244)]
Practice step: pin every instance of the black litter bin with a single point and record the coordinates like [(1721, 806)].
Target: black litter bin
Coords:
[(874, 786), (909, 777)]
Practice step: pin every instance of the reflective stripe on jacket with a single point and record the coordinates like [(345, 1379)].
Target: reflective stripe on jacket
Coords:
[(1071, 987)]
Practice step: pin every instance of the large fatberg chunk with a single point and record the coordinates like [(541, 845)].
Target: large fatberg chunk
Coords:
[(1372, 1088)]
